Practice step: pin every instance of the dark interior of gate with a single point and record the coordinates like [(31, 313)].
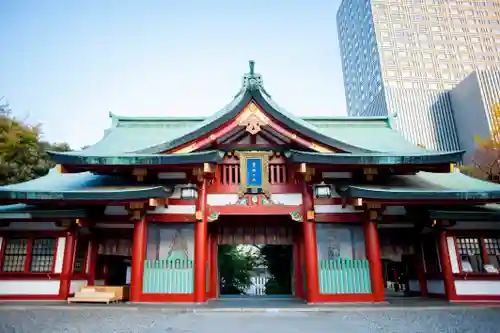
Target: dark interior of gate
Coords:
[(255, 256)]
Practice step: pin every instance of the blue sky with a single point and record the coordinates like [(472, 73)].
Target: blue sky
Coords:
[(66, 64)]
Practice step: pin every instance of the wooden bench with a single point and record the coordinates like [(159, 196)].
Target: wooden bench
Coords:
[(100, 294)]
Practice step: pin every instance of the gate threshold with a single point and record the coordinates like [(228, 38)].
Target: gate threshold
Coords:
[(274, 301)]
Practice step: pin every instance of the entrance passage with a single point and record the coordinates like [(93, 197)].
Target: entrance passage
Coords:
[(256, 256), (255, 270)]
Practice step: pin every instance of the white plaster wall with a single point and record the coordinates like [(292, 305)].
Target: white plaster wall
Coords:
[(221, 199), (75, 285), (29, 287), (474, 287), (61, 245), (435, 286), (174, 209), (414, 285), (291, 199), (452, 251), (334, 209)]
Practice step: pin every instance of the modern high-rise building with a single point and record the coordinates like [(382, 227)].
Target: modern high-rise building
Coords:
[(479, 94), (402, 57)]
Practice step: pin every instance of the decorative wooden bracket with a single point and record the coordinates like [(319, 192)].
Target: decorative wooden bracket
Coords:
[(199, 174), (137, 210), (66, 223), (369, 173), (140, 173), (153, 203), (252, 118), (306, 171), (296, 215)]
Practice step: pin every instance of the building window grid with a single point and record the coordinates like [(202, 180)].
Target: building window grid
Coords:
[(475, 254), (26, 255)]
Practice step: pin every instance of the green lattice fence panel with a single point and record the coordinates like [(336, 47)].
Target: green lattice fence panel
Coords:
[(344, 276), (168, 276)]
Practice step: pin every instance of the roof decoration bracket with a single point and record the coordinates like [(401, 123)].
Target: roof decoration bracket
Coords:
[(252, 118), (370, 173), (306, 171)]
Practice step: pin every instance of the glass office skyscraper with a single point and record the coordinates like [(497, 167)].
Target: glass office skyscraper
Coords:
[(401, 57)]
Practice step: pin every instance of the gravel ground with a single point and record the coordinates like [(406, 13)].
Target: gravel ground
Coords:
[(480, 320)]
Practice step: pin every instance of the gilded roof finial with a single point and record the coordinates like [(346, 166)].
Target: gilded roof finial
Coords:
[(251, 63)]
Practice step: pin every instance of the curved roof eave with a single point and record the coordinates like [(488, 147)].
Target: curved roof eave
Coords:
[(213, 156), (90, 194), (208, 125), (269, 107), (84, 186), (375, 158), (452, 195), (428, 186)]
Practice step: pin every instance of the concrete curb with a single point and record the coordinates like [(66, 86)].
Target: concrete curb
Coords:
[(202, 310)]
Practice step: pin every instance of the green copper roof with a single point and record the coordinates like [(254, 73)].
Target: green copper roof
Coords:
[(296, 156), (212, 156), (33, 211), (488, 212), (142, 135), (429, 186), (83, 186)]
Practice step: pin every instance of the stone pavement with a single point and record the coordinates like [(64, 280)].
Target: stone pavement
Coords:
[(154, 319)]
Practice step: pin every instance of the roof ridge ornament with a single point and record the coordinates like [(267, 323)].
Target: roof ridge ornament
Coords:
[(252, 80)]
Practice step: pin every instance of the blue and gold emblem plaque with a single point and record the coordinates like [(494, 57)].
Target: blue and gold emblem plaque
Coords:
[(254, 171)]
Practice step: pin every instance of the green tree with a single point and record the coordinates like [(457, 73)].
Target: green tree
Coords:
[(485, 161), (23, 155), (235, 268), (278, 259)]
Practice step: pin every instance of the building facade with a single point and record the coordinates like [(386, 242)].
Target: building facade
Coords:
[(402, 57), (476, 108), (147, 208)]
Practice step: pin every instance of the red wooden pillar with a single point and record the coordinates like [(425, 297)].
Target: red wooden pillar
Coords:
[(200, 247), (310, 248), (67, 267), (297, 263), (372, 245), (444, 258), (92, 260), (213, 283), (138, 257)]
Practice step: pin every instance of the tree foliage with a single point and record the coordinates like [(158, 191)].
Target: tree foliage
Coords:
[(278, 259), (235, 269), (485, 161), (22, 151)]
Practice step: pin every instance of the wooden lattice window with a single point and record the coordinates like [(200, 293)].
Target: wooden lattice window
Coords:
[(470, 254), (43, 255), (492, 246), (230, 174), (29, 255), (278, 174), (80, 256), (15, 255)]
